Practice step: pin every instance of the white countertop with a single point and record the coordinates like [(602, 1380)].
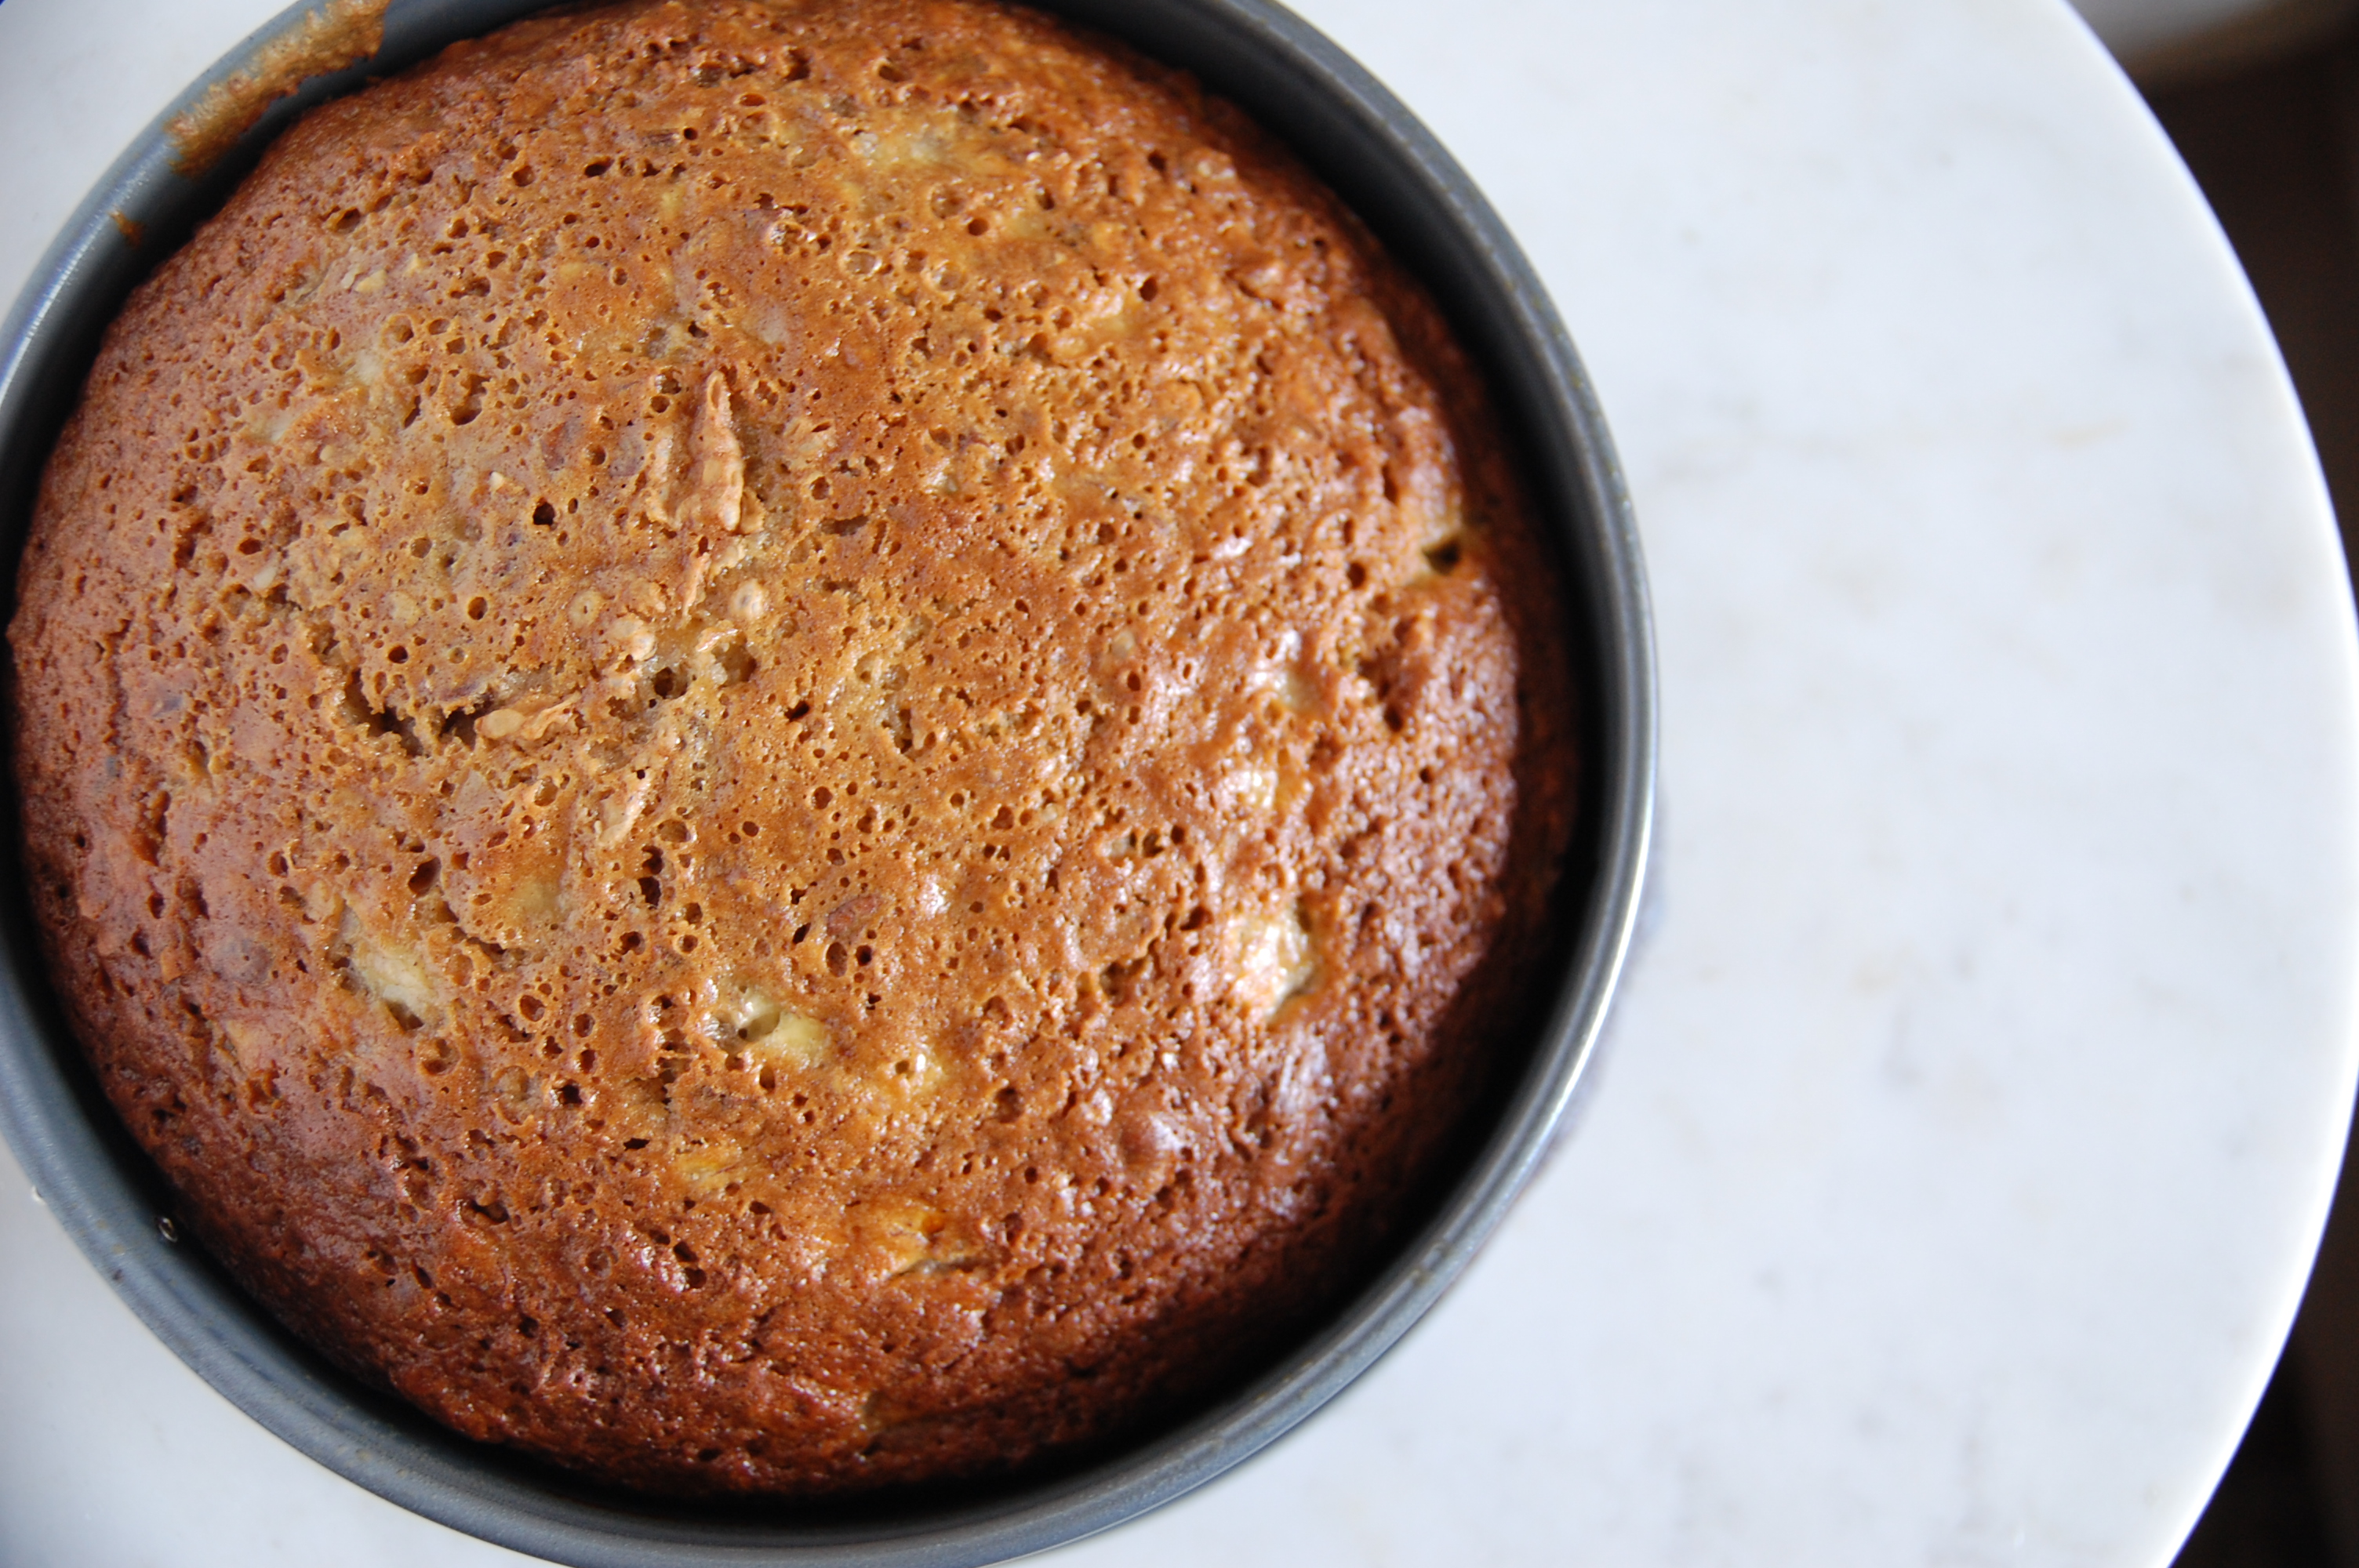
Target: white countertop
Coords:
[(1975, 1094)]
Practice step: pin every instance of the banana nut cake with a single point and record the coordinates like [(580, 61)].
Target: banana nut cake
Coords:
[(779, 747)]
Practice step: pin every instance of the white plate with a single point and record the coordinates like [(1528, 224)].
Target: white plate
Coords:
[(1975, 1098)]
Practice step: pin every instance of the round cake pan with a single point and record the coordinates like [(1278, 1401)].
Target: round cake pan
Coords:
[(1375, 155)]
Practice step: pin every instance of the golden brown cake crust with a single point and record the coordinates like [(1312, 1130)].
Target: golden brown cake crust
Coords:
[(774, 746)]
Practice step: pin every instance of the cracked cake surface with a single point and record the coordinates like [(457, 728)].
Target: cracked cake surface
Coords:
[(777, 747)]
